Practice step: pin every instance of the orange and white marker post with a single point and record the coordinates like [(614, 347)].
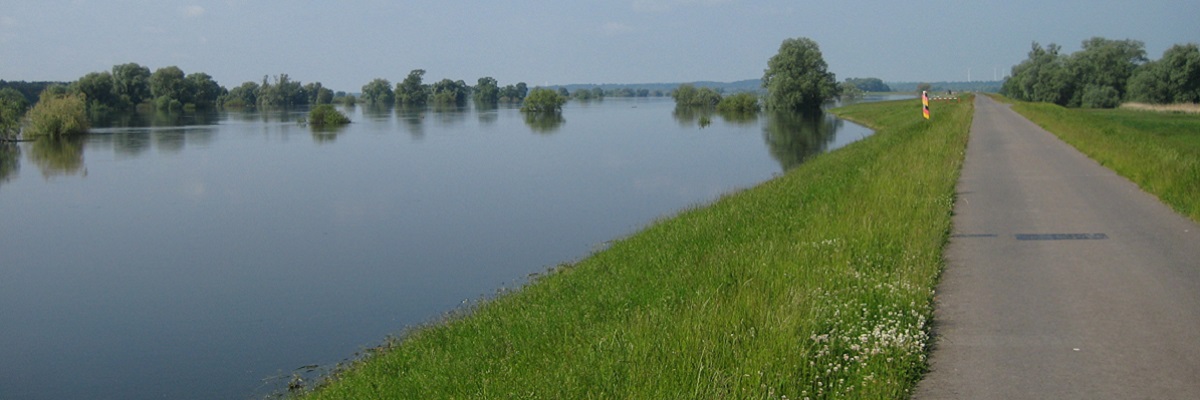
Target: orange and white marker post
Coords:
[(925, 103)]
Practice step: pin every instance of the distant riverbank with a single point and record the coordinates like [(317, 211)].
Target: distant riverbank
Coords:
[(817, 283)]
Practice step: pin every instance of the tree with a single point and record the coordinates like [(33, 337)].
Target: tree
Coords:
[(12, 107), (325, 115), (97, 88), (851, 91), (741, 103), (797, 77), (168, 87), (1043, 77), (313, 93), (487, 90), (869, 84), (1103, 63), (204, 90), (283, 93), (378, 91), (514, 93), (58, 115), (411, 92), (687, 95), (242, 96), (1175, 78), (543, 100), (447, 92), (131, 84)]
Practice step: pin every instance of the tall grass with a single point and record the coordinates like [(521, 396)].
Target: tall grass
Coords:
[(1158, 151), (815, 284)]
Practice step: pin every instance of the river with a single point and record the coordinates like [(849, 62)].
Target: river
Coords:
[(214, 255)]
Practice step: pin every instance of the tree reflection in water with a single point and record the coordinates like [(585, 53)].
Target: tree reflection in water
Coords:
[(544, 123), (58, 156), (10, 161), (793, 137)]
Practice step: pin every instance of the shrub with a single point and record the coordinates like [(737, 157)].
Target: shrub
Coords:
[(58, 116), (739, 103), (690, 96), (544, 101), (326, 115)]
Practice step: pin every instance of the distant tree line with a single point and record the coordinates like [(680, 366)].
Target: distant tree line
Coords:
[(412, 91), (869, 84), (1105, 73)]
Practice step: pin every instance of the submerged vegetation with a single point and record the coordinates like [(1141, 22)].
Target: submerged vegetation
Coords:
[(542, 100), (815, 284), (57, 115), (325, 115)]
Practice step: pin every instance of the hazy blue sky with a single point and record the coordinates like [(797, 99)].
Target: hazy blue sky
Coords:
[(344, 44)]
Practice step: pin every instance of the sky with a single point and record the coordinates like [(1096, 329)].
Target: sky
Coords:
[(346, 43)]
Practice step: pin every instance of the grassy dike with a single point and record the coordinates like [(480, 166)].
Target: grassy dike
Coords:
[(815, 284), (1158, 151)]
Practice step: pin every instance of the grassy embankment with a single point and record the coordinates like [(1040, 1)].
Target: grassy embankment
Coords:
[(815, 284), (1159, 151)]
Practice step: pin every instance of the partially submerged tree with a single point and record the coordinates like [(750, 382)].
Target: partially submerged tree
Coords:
[(411, 92), (12, 108), (324, 115), (378, 91), (542, 100), (797, 78), (688, 95), (57, 115)]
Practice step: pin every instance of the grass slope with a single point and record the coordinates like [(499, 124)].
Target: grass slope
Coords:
[(1158, 151), (815, 284)]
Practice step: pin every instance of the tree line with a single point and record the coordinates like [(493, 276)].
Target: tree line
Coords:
[(1105, 73), (412, 91)]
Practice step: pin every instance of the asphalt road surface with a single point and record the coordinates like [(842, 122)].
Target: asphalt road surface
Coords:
[(1063, 280)]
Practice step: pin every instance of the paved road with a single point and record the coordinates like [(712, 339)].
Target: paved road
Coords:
[(1063, 280)]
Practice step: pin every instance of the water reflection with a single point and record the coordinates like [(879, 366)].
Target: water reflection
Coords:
[(347, 252), (450, 116), (58, 156), (377, 112), (414, 119), (136, 119), (793, 137), (691, 116), (688, 116), (544, 123), (326, 134), (488, 113), (10, 161)]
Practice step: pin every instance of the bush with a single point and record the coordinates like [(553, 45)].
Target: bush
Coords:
[(544, 101), (690, 96), (739, 103), (326, 115), (58, 116), (1095, 96)]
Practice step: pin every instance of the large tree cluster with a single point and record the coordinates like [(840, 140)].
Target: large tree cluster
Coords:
[(1104, 73)]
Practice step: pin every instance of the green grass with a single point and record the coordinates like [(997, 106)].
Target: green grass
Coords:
[(815, 284), (1158, 151)]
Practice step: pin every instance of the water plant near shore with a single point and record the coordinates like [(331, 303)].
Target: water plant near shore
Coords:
[(816, 284)]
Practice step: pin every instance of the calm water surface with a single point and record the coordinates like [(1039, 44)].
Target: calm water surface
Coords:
[(212, 255)]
